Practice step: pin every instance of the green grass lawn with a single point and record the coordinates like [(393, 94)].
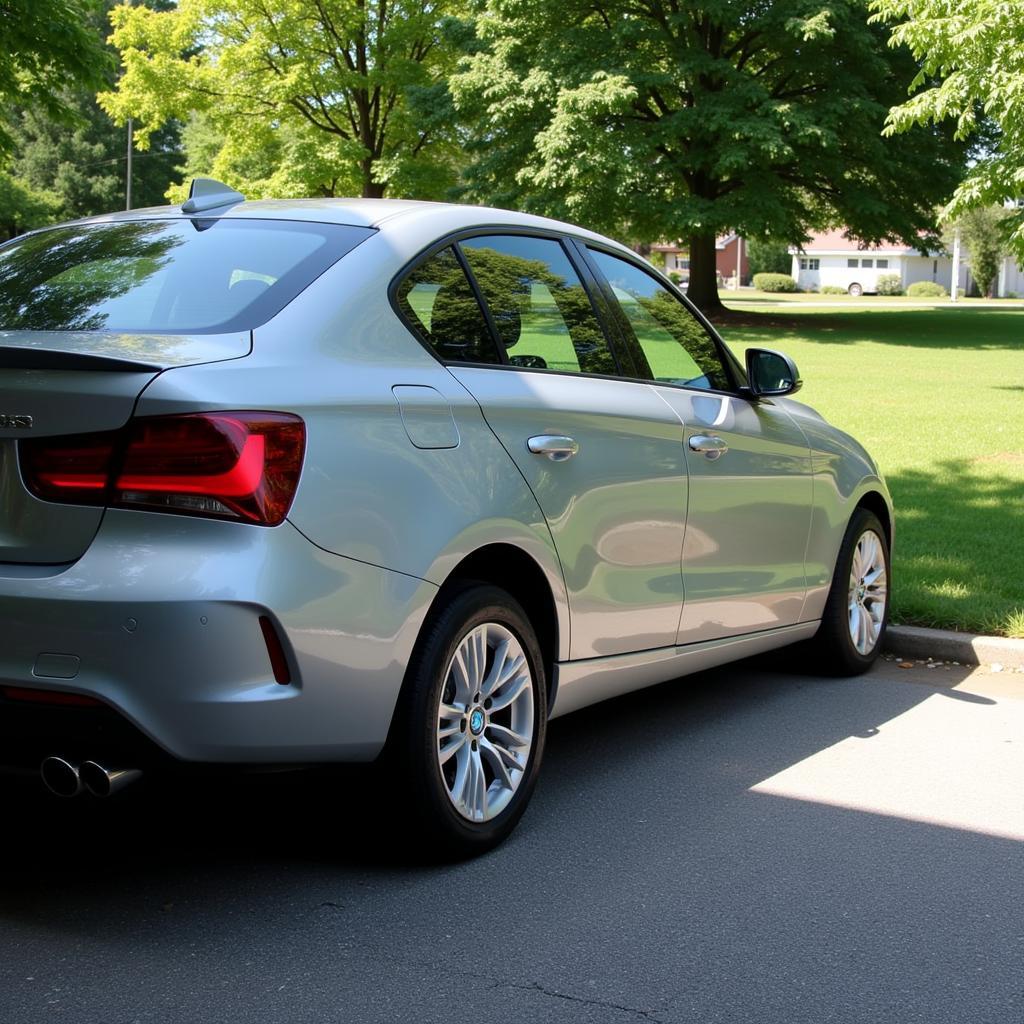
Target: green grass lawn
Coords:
[(753, 296), (937, 396)]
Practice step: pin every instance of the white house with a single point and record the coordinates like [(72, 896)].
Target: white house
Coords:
[(1011, 279), (832, 259)]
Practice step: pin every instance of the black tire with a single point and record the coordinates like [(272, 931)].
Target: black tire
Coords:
[(833, 645), (855, 289), (439, 829)]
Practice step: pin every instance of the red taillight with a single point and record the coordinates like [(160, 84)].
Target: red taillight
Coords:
[(239, 465), (75, 468)]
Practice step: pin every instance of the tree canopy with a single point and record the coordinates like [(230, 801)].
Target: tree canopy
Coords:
[(298, 97), (69, 166), (45, 44), (658, 118), (971, 71), (22, 207)]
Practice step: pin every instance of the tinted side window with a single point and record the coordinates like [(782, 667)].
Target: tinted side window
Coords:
[(677, 347), (439, 303), (539, 305)]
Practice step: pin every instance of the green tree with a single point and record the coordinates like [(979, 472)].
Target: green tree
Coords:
[(83, 164), (661, 119), (46, 44), (23, 208), (983, 234), (971, 74), (768, 256), (305, 96)]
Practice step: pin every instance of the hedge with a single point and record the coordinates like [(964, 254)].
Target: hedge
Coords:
[(774, 283), (926, 289), (889, 284)]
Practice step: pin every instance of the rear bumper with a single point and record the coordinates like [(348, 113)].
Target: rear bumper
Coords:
[(160, 620)]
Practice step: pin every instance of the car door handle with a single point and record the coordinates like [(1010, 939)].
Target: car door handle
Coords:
[(556, 447), (709, 445)]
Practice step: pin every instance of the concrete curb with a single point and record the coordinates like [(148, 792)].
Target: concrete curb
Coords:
[(945, 645)]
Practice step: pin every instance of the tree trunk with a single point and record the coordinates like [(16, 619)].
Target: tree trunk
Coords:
[(371, 189), (702, 290)]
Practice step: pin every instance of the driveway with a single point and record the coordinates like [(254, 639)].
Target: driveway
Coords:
[(749, 845)]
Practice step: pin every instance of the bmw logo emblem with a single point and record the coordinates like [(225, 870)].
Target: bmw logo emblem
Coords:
[(476, 722)]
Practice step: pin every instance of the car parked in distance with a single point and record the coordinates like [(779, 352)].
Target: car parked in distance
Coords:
[(294, 482)]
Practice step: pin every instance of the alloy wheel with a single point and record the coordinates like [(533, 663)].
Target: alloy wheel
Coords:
[(868, 592), (485, 721)]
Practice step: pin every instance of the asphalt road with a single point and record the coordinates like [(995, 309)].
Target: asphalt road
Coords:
[(747, 845)]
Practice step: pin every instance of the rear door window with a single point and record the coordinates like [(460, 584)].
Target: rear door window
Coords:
[(542, 312), (187, 276)]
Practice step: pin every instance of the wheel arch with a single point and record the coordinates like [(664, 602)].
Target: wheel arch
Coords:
[(874, 502), (515, 571)]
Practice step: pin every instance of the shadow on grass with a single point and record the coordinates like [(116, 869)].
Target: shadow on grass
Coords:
[(963, 328), (959, 546)]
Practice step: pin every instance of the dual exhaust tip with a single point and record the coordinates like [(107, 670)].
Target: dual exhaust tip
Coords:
[(68, 778)]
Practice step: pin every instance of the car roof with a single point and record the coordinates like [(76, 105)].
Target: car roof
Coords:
[(383, 214)]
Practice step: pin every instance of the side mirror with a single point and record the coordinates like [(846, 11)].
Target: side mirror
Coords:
[(771, 373)]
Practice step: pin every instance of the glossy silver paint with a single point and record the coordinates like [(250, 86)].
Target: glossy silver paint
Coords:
[(658, 559), (748, 516), (616, 509)]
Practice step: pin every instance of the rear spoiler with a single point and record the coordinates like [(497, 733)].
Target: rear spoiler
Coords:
[(57, 359), (117, 350)]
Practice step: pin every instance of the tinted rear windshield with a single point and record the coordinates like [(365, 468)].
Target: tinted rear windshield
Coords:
[(184, 276)]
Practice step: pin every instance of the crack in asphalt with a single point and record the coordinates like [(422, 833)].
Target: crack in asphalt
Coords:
[(497, 982), (534, 986)]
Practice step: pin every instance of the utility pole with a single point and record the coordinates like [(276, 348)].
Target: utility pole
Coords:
[(128, 171), (954, 290)]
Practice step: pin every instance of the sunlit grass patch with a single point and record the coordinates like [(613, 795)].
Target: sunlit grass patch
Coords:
[(937, 396)]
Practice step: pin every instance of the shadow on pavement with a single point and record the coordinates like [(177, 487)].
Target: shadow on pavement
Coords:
[(646, 881)]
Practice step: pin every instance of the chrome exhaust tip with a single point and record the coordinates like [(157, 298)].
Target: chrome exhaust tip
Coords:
[(61, 777), (102, 781)]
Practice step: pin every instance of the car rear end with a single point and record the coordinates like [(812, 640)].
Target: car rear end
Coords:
[(155, 602)]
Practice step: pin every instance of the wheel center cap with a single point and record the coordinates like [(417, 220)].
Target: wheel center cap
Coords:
[(476, 722)]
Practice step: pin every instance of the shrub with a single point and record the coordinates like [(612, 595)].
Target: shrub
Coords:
[(675, 277), (832, 289), (1010, 295), (926, 290), (889, 284), (774, 283)]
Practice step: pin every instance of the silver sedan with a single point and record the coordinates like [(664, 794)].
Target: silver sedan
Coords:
[(350, 480)]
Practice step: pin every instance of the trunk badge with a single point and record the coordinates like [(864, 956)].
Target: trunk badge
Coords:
[(19, 422)]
